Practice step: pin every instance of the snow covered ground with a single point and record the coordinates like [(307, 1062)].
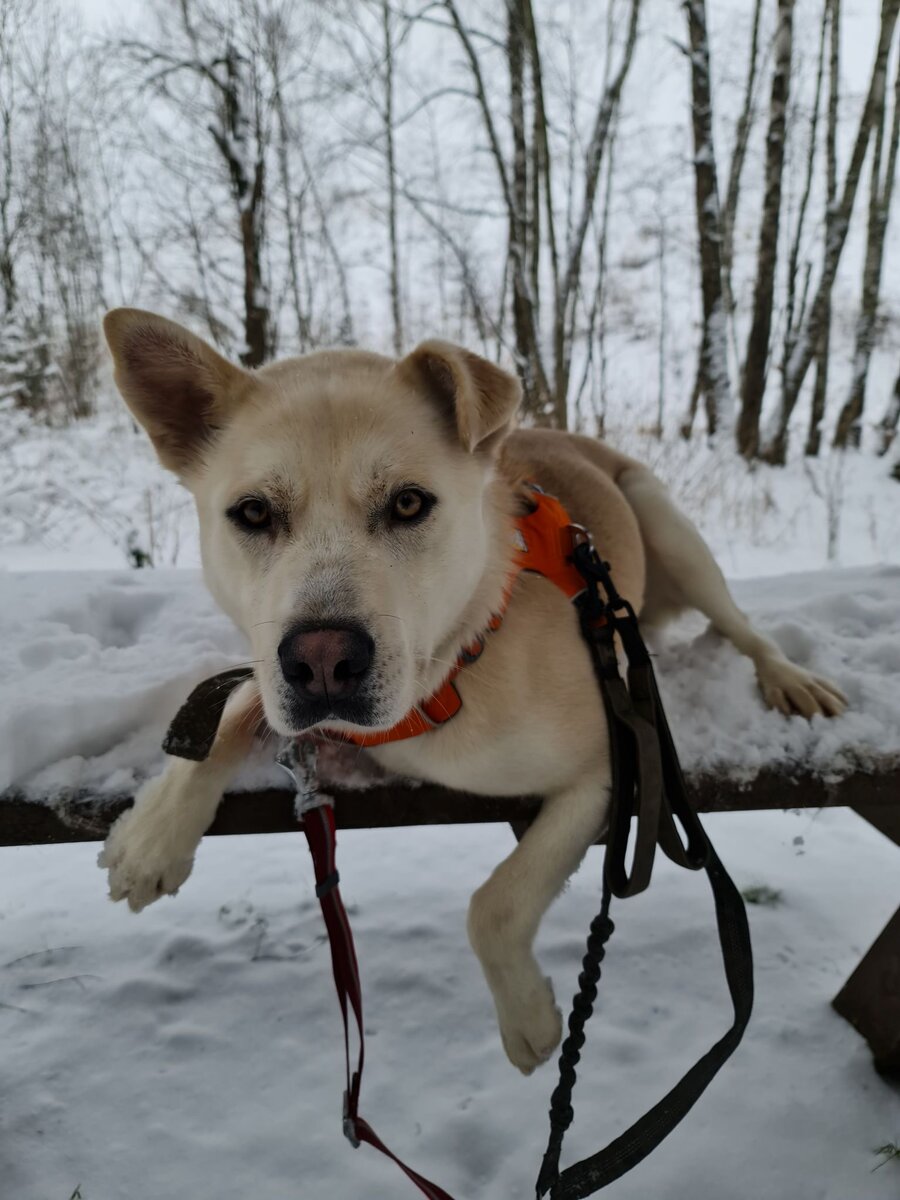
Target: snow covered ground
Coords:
[(195, 1050)]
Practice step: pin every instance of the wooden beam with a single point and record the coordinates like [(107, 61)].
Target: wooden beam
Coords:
[(870, 999), (86, 817)]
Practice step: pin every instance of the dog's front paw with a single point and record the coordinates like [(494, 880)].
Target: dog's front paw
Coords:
[(144, 857), (530, 1026), (792, 689)]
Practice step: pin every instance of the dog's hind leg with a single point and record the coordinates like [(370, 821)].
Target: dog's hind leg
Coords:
[(506, 911), (150, 849), (682, 573)]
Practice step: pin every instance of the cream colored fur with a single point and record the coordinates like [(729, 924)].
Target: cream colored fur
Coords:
[(326, 437)]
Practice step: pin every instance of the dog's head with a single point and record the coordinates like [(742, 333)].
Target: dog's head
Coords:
[(348, 508)]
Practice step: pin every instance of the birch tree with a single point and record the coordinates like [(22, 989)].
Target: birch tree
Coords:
[(712, 383)]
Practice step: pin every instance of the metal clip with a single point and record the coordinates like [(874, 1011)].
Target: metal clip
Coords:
[(580, 537), (297, 758), (350, 1124)]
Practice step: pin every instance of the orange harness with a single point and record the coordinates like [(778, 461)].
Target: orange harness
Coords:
[(544, 540)]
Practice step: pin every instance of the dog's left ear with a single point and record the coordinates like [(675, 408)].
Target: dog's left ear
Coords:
[(478, 398)]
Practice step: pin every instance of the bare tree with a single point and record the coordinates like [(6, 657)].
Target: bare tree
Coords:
[(775, 450), (221, 52), (278, 47), (391, 181), (51, 248), (523, 182), (823, 347), (712, 382), (738, 158), (12, 215), (757, 356), (811, 332), (849, 426)]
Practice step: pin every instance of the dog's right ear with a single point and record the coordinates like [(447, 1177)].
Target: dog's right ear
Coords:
[(478, 398), (177, 386)]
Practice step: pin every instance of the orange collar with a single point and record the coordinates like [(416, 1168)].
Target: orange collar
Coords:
[(544, 539)]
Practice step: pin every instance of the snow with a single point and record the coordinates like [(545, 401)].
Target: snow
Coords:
[(196, 1050), (96, 664)]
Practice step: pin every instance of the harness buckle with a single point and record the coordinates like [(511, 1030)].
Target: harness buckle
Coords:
[(580, 537), (349, 1124)]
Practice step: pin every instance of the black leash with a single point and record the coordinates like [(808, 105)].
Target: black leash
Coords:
[(648, 785), (649, 790)]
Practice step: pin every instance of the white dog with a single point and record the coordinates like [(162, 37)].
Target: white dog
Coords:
[(356, 523)]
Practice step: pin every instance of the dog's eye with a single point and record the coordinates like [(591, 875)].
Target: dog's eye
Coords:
[(251, 513), (411, 505)]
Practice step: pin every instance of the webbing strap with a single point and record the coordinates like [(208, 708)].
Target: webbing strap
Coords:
[(649, 785), (318, 825)]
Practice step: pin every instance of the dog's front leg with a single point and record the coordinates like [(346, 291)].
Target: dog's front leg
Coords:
[(150, 849), (506, 911)]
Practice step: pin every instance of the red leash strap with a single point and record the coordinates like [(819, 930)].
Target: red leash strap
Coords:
[(318, 825)]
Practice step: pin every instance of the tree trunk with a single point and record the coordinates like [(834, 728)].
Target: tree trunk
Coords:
[(810, 335), (712, 382), (887, 429), (301, 315), (738, 157), (756, 360), (522, 249), (792, 316), (823, 349), (529, 361), (570, 284), (775, 451), (396, 305), (248, 195), (849, 426)]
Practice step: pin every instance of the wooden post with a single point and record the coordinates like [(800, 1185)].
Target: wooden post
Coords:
[(870, 999)]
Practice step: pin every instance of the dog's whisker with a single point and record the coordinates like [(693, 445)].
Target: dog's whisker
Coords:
[(391, 616)]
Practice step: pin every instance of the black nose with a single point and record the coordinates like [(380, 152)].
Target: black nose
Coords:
[(326, 662)]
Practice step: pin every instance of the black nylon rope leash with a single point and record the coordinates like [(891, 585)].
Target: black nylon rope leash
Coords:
[(648, 783)]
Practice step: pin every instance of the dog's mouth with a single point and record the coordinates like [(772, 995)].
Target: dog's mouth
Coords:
[(301, 715), (335, 677)]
